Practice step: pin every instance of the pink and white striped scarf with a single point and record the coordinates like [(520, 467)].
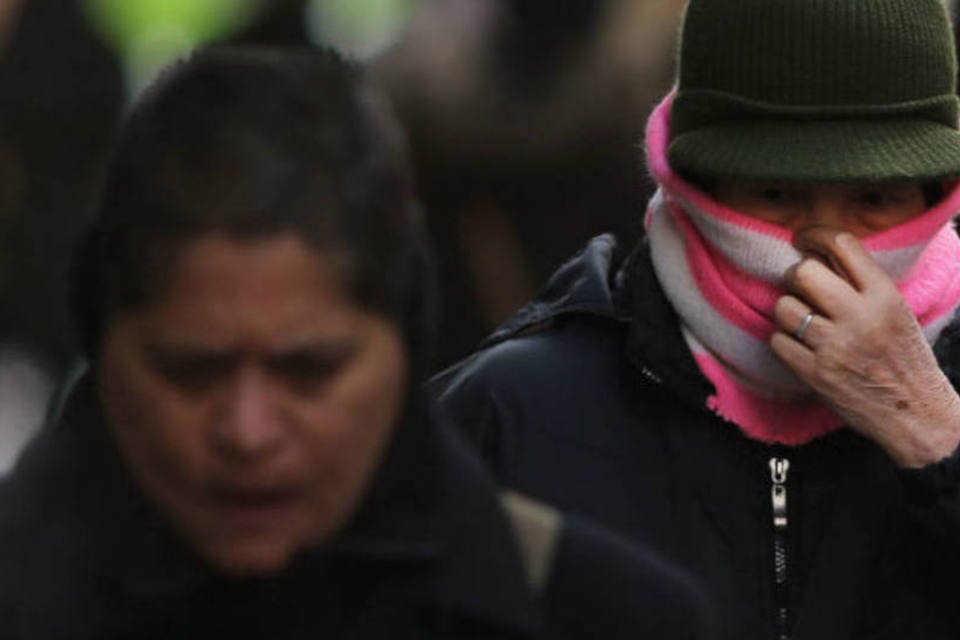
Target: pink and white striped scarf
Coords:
[(720, 270)]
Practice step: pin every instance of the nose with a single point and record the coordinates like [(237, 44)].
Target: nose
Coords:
[(249, 425), (827, 211)]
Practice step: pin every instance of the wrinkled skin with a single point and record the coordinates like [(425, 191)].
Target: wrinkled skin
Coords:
[(864, 353)]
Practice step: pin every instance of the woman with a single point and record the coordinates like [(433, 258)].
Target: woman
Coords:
[(249, 454), (763, 389)]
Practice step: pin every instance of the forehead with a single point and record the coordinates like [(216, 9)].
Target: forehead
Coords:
[(220, 283)]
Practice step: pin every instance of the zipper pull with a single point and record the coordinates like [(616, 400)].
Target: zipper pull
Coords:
[(647, 373), (778, 491)]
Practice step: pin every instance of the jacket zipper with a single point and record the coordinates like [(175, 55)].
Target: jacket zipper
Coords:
[(647, 373), (779, 467)]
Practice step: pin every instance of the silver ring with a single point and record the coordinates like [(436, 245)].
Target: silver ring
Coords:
[(804, 325)]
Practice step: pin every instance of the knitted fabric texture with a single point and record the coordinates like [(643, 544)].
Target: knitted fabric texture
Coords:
[(720, 270), (770, 90)]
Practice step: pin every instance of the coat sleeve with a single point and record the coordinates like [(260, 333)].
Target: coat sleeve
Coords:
[(933, 499), (603, 586)]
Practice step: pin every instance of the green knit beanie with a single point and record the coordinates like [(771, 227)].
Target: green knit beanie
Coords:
[(816, 90)]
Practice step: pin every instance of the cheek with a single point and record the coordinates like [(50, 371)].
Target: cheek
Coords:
[(159, 435), (377, 398), (908, 212), (350, 431)]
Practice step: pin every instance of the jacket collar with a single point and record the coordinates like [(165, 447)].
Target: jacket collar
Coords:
[(581, 286), (597, 282), (435, 524), (655, 344)]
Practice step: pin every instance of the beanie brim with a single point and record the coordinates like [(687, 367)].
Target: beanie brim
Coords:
[(841, 150)]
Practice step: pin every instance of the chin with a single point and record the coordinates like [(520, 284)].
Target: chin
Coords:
[(250, 560)]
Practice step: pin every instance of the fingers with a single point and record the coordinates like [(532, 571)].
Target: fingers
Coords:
[(837, 271), (795, 354), (800, 332), (819, 287), (842, 251), (796, 348), (797, 320)]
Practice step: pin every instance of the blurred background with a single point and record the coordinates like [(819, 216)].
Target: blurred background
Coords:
[(524, 116)]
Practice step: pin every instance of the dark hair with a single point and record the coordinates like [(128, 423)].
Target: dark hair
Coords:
[(251, 142)]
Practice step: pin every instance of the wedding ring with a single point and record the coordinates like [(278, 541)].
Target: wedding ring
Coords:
[(804, 325)]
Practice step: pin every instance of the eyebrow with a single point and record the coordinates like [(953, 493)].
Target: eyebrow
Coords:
[(330, 348), (333, 349), (178, 348)]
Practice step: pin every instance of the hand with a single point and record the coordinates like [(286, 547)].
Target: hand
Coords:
[(864, 353)]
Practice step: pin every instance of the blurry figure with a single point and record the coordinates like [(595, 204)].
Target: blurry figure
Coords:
[(24, 389), (525, 117), (148, 34), (60, 93), (361, 29), (251, 454), (279, 22)]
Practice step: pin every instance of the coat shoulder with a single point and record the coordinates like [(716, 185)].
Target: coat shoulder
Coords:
[(570, 351)]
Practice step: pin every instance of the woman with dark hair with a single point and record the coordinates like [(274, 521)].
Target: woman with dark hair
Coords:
[(250, 454)]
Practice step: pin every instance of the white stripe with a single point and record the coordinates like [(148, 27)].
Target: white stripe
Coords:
[(769, 257), (752, 359)]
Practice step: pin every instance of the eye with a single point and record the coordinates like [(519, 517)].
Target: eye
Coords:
[(307, 371), (772, 194), (192, 372), (877, 198), (776, 194)]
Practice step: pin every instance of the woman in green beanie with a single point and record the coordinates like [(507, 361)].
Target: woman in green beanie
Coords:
[(765, 389)]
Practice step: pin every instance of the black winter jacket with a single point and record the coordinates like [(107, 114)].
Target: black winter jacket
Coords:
[(84, 555), (589, 399)]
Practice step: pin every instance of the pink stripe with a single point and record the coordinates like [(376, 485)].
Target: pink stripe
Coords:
[(933, 288), (916, 231), (657, 140), (763, 419), (757, 294), (939, 265), (702, 264), (937, 315)]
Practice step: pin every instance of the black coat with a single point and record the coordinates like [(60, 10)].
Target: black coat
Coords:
[(84, 555), (589, 399)]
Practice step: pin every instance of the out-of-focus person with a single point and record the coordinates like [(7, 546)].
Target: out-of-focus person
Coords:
[(25, 390), (525, 116), (766, 388), (60, 94), (250, 454)]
